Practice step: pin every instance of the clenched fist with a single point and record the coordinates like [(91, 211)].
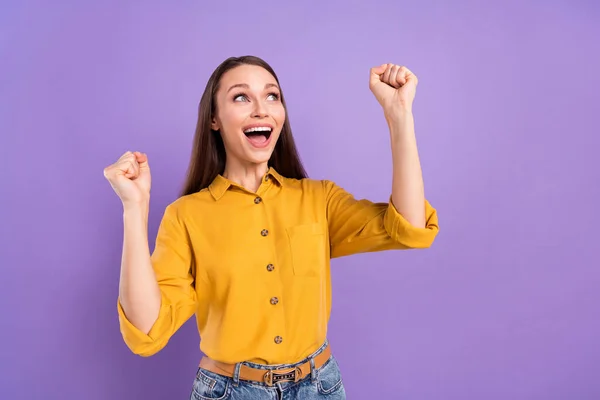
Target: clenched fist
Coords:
[(394, 87), (129, 177)]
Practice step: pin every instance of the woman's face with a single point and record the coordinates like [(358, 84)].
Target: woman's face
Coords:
[(249, 114)]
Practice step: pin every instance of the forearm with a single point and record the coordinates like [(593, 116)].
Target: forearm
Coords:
[(408, 193), (139, 293)]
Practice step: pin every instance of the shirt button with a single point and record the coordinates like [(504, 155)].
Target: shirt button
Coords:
[(264, 232), (267, 178), (257, 200), (274, 300), (278, 339), (270, 267)]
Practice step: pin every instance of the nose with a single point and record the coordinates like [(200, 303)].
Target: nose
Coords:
[(260, 110)]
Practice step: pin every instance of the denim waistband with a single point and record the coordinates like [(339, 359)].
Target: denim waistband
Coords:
[(309, 359), (277, 366)]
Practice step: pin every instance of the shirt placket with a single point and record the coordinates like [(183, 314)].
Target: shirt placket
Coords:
[(273, 296)]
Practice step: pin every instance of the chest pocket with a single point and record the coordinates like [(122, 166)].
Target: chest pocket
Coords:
[(308, 248)]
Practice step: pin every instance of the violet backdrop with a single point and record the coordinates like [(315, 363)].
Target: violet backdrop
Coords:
[(505, 305)]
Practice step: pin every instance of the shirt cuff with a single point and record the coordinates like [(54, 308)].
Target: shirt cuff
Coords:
[(402, 231), (139, 342)]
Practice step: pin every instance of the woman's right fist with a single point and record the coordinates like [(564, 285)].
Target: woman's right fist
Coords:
[(129, 177)]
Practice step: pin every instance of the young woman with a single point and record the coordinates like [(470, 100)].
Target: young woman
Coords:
[(247, 245)]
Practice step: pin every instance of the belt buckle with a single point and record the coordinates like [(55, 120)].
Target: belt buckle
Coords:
[(272, 377)]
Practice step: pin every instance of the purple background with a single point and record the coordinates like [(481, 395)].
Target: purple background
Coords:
[(504, 306)]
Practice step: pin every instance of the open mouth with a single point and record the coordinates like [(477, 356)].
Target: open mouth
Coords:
[(259, 136)]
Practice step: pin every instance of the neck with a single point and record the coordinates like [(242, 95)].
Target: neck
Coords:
[(248, 176)]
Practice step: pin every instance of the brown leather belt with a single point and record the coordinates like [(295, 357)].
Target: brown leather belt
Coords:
[(267, 376)]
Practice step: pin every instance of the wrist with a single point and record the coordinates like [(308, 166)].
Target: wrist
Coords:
[(401, 124), (398, 115), (137, 208)]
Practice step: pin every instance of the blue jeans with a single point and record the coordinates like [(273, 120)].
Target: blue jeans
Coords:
[(323, 383)]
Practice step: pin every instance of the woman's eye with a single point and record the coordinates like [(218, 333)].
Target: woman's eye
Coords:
[(242, 97)]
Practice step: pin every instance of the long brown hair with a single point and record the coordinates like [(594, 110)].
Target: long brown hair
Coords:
[(208, 152)]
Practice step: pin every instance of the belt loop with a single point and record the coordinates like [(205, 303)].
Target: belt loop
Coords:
[(236, 374), (313, 372)]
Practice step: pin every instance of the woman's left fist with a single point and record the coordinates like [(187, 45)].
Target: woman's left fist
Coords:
[(394, 87)]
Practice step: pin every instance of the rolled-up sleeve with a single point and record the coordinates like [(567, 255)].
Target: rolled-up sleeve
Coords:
[(402, 231), (172, 262), (359, 226)]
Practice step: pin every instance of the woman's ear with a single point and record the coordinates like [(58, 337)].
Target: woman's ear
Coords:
[(214, 125)]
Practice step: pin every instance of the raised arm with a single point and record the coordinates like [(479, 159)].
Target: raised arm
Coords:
[(156, 291), (394, 88), (407, 220)]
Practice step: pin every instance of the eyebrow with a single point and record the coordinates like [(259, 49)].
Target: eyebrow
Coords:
[(244, 85)]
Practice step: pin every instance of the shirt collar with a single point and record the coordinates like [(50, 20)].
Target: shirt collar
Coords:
[(220, 184)]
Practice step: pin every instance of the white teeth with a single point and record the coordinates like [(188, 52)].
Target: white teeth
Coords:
[(258, 129)]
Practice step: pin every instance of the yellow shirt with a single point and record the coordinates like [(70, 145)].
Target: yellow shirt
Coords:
[(254, 267)]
